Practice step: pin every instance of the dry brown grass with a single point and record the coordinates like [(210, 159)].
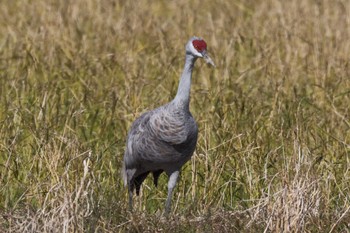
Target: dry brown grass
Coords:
[(273, 151)]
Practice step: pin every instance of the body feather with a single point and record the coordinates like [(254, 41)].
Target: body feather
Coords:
[(162, 139)]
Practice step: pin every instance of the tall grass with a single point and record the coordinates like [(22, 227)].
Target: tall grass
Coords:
[(274, 145)]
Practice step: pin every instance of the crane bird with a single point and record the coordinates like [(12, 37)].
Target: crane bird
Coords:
[(164, 139)]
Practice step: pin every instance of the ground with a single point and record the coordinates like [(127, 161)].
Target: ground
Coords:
[(273, 152)]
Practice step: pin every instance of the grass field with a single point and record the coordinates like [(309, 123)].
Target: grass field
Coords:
[(273, 153)]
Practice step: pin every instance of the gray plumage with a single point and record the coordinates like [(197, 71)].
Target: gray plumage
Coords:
[(164, 139)]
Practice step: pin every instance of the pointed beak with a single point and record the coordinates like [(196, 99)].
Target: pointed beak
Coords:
[(207, 58)]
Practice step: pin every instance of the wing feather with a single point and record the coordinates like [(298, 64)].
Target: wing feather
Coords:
[(171, 127), (160, 136)]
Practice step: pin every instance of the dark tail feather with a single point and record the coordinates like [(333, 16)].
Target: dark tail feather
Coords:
[(139, 180), (156, 175)]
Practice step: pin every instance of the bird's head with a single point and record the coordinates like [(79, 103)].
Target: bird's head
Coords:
[(197, 47)]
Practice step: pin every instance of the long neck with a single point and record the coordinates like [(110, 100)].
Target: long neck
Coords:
[(182, 97)]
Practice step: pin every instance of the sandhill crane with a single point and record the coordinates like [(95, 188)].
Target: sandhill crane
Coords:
[(164, 139)]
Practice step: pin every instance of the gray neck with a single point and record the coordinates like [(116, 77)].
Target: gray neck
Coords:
[(182, 98)]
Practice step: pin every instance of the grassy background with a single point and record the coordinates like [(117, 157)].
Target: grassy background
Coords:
[(274, 117)]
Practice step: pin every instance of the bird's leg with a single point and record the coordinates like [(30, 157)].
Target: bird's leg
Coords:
[(130, 189), (171, 184)]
